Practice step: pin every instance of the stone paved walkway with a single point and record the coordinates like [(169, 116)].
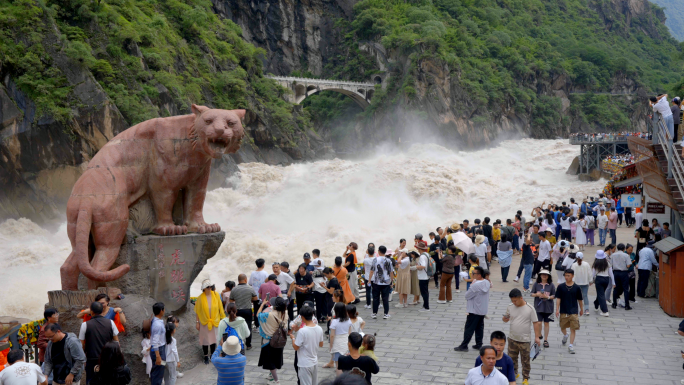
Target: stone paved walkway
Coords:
[(635, 347)]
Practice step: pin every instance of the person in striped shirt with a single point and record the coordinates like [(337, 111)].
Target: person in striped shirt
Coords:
[(229, 363)]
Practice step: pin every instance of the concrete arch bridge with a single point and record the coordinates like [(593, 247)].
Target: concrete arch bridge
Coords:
[(361, 93)]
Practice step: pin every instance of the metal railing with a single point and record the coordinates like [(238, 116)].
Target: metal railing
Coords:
[(675, 166), (318, 81), (608, 138)]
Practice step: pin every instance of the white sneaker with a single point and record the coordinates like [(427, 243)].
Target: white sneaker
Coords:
[(458, 291), (368, 306), (441, 301), (571, 349), (374, 316), (179, 374), (516, 279), (450, 301), (400, 305), (609, 302), (386, 316), (604, 314), (423, 310)]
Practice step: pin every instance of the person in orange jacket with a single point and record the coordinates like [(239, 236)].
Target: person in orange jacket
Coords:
[(115, 314)]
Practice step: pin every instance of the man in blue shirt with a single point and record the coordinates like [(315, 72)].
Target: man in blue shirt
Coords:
[(504, 363), (158, 342), (646, 262), (486, 374), (229, 363)]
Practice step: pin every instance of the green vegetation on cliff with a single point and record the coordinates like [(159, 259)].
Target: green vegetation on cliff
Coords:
[(150, 56), (506, 54), (674, 11)]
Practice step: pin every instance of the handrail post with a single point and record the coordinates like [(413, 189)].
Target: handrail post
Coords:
[(670, 145)]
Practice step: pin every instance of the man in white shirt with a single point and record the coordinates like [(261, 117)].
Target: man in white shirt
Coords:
[(309, 339), (544, 259), (574, 207), (285, 281), (602, 226), (367, 264), (486, 374), (660, 104), (317, 262), (20, 372), (638, 217), (566, 231)]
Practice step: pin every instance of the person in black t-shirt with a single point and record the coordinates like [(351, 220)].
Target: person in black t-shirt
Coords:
[(643, 234), (568, 305), (435, 252), (303, 284), (333, 284), (356, 363)]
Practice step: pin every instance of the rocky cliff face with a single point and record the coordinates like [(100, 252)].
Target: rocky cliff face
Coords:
[(297, 35)]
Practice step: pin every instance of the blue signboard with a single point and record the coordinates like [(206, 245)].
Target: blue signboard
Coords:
[(631, 200)]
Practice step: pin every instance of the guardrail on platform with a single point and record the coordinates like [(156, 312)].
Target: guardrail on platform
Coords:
[(597, 139)]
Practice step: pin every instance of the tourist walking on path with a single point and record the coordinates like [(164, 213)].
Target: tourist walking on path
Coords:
[(602, 226), (544, 257), (341, 274), (242, 296), (111, 368), (504, 363), (583, 278), (94, 334), (569, 307), (229, 363), (403, 286), (566, 232), (632, 272), (477, 298), (64, 356), (580, 236), (423, 278), (309, 339), (355, 361), (273, 319), (646, 262), (609, 250), (544, 292), (450, 263), (621, 263), (209, 313), (560, 253), (505, 254), (381, 275), (603, 277), (591, 225), (350, 264), (612, 225), (486, 374), (526, 263), (522, 317)]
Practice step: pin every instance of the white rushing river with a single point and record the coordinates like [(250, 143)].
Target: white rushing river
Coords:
[(278, 213)]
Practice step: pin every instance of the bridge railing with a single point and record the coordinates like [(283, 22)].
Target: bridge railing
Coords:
[(310, 80), (601, 138)]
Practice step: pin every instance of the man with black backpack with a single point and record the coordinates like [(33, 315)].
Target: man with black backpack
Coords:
[(424, 273)]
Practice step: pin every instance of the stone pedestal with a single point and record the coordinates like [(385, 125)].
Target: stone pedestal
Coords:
[(162, 270), (163, 267)]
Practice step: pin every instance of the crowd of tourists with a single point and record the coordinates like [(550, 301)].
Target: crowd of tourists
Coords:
[(313, 305), (607, 137)]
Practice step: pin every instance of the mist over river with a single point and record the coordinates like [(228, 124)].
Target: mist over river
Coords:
[(278, 213)]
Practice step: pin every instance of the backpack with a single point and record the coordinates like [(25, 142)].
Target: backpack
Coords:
[(279, 338), (559, 263), (591, 223), (232, 332), (430, 270)]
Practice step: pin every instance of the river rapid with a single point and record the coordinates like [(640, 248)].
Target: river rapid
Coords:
[(279, 213)]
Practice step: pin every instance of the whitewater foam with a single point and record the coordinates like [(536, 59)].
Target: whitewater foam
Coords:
[(279, 213)]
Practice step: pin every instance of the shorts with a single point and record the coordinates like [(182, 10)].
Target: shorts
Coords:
[(336, 356), (545, 317), (569, 321)]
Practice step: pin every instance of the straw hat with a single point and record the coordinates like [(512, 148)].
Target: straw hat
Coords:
[(455, 227), (479, 239), (231, 346)]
